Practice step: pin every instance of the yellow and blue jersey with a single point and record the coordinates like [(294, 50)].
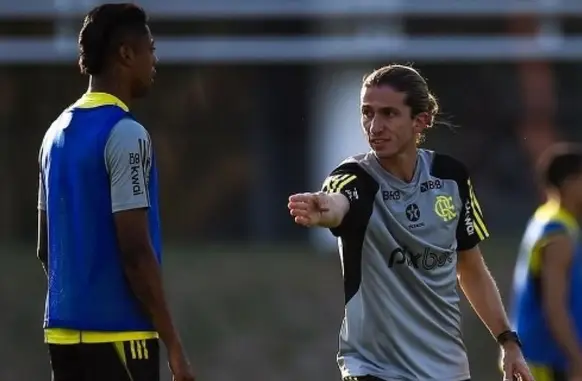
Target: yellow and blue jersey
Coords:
[(527, 314), (89, 299)]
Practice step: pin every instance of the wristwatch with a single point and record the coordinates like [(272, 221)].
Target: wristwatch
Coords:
[(508, 336)]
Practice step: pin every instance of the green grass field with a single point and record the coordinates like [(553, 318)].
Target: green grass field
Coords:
[(245, 313)]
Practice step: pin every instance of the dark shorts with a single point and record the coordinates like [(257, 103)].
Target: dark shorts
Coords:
[(136, 360)]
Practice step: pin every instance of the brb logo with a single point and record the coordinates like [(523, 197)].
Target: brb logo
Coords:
[(427, 260)]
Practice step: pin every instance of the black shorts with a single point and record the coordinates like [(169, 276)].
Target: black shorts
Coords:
[(136, 360)]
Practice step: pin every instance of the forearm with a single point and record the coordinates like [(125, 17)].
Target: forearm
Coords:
[(41, 242), (562, 328), (42, 255), (338, 206), (482, 293), (145, 280)]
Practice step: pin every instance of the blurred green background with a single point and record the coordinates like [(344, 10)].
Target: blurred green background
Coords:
[(246, 313)]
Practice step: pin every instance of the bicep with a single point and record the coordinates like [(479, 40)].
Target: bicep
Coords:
[(471, 228), (42, 236), (132, 233), (128, 159), (556, 261)]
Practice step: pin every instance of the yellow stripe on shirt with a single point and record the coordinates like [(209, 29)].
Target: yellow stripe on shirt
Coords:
[(479, 224), (335, 184), (71, 336)]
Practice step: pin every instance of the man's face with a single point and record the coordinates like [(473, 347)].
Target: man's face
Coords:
[(387, 121), (572, 189), (141, 63)]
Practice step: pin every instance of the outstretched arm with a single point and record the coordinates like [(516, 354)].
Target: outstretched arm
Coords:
[(339, 203), (319, 209)]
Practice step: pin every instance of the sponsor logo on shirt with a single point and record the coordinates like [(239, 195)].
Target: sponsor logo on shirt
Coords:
[(426, 260), (136, 173), (391, 195), (469, 226), (413, 215), (140, 164), (430, 184), (351, 194)]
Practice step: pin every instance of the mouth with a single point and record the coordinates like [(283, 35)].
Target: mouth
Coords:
[(378, 141)]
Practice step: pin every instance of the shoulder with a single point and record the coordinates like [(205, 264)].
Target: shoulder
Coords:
[(350, 165), (355, 167), (128, 137), (446, 167), (555, 221), (350, 171), (128, 129)]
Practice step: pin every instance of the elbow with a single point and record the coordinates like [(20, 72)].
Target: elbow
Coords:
[(133, 255), (42, 254), (553, 307)]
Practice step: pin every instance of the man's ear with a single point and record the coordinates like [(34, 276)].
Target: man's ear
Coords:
[(126, 55), (421, 122)]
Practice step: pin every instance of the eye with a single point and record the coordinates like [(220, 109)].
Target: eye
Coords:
[(390, 113), (367, 113)]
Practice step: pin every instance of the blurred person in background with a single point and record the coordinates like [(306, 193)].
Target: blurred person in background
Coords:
[(547, 306), (99, 228), (409, 226)]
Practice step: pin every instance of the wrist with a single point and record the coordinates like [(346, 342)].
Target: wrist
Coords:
[(510, 346), (509, 340), (175, 346)]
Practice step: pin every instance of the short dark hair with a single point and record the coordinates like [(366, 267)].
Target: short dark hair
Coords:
[(103, 28), (560, 162), (406, 79)]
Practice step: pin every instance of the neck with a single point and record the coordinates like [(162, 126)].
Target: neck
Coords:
[(567, 205), (401, 165), (110, 86)]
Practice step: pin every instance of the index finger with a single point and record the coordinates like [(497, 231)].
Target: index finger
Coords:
[(508, 372), (525, 373), (301, 197)]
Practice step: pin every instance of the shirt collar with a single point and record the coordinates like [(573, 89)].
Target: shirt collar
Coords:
[(91, 100)]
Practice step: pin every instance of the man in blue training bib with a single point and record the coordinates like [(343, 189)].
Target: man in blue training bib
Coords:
[(547, 303), (99, 226)]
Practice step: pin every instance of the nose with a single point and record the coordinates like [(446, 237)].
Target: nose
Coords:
[(376, 126)]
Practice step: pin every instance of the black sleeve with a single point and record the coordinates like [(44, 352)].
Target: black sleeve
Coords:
[(359, 188), (471, 227)]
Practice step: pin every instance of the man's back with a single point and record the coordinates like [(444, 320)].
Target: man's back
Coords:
[(87, 288), (399, 256)]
